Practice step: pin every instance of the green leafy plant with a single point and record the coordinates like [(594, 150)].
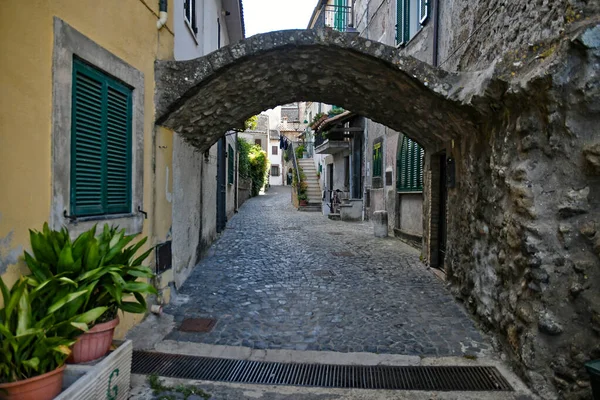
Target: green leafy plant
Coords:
[(251, 123), (99, 271), (303, 197), (299, 150), (29, 340), (258, 168), (316, 119)]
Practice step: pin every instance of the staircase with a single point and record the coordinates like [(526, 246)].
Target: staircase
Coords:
[(314, 190)]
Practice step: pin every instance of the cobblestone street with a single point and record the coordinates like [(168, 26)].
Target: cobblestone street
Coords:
[(283, 279)]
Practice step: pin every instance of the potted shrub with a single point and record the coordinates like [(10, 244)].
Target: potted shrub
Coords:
[(104, 268), (303, 199), (33, 353), (300, 151)]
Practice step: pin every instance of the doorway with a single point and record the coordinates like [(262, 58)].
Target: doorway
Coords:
[(443, 200)]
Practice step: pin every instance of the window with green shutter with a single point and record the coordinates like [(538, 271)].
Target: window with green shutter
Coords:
[(377, 159), (230, 164), (100, 143), (409, 166), (411, 15), (340, 18)]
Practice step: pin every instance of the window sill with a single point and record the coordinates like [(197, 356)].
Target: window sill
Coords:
[(132, 223), (409, 191)]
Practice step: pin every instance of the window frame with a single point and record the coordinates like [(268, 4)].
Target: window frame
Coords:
[(275, 150), (70, 43), (404, 19), (192, 22), (410, 157), (278, 170)]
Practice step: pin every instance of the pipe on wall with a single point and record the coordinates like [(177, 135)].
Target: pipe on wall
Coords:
[(162, 14)]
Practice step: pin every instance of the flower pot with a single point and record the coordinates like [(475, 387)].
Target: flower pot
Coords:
[(93, 344), (42, 387), (303, 202)]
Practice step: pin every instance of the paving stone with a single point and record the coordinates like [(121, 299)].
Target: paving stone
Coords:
[(259, 282)]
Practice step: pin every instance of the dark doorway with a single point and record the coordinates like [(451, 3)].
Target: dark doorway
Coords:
[(442, 211), (330, 176), (221, 186)]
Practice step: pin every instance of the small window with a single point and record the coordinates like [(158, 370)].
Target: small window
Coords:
[(101, 162), (189, 12), (230, 165), (274, 170), (258, 142), (409, 166), (274, 150), (377, 159), (411, 15)]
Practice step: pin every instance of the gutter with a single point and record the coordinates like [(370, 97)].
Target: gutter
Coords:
[(162, 14)]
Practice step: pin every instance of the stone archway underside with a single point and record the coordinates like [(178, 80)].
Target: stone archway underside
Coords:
[(202, 99)]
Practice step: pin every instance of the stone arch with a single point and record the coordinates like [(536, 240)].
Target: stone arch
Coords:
[(203, 98)]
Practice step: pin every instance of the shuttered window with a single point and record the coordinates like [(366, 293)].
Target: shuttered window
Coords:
[(340, 20), (409, 166), (100, 143), (230, 164), (377, 160), (411, 15)]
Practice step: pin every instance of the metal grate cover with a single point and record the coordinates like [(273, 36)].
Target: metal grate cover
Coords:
[(197, 324), (431, 378), (324, 273), (342, 253)]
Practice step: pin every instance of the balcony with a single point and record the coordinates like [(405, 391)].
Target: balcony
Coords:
[(336, 17)]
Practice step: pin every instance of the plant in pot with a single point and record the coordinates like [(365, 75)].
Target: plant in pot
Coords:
[(104, 268), (33, 352), (303, 199)]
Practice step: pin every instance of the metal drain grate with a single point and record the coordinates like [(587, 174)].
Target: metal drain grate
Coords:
[(435, 378), (197, 325), (324, 273), (342, 253)]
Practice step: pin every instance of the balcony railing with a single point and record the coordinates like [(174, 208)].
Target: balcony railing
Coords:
[(336, 17)]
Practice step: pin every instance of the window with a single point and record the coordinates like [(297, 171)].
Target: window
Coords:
[(274, 170), (411, 15), (189, 13), (230, 165), (100, 143), (340, 18), (377, 159), (258, 142), (347, 171), (274, 150), (409, 166)]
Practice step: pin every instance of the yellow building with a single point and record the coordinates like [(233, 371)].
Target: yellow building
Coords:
[(70, 68)]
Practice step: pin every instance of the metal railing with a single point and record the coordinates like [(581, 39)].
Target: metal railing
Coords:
[(291, 153), (336, 17)]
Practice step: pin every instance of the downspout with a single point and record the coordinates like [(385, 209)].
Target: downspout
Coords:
[(436, 32), (162, 14)]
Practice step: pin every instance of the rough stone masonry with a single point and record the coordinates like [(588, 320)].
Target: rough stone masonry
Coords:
[(523, 246)]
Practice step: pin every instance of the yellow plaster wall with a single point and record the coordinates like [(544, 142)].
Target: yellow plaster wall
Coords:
[(126, 28)]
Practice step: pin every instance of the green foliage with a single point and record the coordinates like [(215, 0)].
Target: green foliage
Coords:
[(251, 123), (29, 342), (100, 271), (159, 389), (316, 118), (258, 168), (244, 153), (299, 150), (302, 197), (335, 111)]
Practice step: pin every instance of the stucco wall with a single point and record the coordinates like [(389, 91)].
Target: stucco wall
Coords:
[(411, 213), (276, 159), (128, 31)]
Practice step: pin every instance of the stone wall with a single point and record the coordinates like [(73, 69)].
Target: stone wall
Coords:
[(475, 35), (524, 251)]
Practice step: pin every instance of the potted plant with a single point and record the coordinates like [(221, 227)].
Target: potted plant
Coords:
[(104, 269), (300, 151), (303, 199), (33, 352)]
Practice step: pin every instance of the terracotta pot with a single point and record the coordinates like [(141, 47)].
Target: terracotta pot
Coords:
[(303, 202), (42, 387), (94, 343)]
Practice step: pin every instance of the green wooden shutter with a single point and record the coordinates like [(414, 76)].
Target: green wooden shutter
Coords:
[(410, 166), (230, 164), (405, 20), (100, 144)]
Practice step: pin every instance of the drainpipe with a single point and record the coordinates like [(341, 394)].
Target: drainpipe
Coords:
[(436, 33), (162, 20)]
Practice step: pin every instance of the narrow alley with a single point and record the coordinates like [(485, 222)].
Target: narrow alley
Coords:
[(283, 279)]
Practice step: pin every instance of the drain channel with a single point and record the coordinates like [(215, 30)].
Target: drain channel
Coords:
[(433, 378)]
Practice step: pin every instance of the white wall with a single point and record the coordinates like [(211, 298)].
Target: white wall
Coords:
[(276, 159)]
